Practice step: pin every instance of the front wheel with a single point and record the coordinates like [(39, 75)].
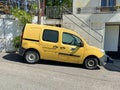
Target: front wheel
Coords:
[(31, 57), (91, 63)]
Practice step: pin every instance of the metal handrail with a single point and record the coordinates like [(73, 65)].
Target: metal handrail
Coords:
[(86, 25), (85, 30), (54, 12), (102, 9), (51, 11)]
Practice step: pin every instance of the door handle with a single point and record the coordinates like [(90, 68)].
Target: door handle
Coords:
[(62, 47), (55, 46), (72, 49)]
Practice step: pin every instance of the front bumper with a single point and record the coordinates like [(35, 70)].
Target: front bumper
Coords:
[(104, 60)]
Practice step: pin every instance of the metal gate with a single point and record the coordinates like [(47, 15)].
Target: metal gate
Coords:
[(2, 35), (9, 28)]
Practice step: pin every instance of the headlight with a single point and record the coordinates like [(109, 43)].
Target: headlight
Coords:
[(103, 51)]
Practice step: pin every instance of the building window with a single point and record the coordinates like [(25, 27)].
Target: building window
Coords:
[(108, 5)]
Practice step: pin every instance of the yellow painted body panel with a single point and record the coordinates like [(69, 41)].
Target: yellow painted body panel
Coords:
[(50, 52), (74, 56), (57, 51), (32, 32)]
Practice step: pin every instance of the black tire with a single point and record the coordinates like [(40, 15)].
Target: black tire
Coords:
[(91, 63), (32, 57)]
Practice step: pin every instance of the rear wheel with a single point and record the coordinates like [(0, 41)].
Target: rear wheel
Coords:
[(32, 57), (91, 63)]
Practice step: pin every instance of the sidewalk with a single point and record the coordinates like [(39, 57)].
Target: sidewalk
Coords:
[(116, 63), (113, 65), (115, 57)]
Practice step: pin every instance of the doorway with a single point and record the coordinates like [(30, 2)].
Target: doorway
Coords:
[(112, 38)]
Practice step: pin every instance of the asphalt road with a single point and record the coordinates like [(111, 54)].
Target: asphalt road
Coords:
[(15, 74)]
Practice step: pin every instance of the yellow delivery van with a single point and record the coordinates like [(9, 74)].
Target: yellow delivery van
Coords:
[(58, 44)]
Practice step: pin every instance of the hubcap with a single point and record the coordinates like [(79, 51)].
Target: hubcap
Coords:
[(91, 63), (31, 57)]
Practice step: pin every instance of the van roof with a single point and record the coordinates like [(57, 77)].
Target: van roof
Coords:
[(51, 27)]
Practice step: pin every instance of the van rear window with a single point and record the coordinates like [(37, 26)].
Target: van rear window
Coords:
[(50, 35)]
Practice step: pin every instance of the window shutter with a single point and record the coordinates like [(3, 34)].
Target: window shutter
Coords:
[(103, 3), (111, 3)]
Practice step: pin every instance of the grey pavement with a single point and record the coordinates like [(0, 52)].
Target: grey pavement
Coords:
[(15, 74), (112, 65)]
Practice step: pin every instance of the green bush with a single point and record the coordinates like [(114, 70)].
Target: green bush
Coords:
[(22, 16), (16, 42)]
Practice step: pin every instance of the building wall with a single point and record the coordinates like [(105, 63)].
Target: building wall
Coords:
[(85, 3), (91, 21), (88, 4)]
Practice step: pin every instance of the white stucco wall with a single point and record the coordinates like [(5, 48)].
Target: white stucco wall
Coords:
[(85, 4), (88, 6), (117, 2)]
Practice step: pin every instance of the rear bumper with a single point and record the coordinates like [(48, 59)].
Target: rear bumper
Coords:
[(21, 51), (104, 60)]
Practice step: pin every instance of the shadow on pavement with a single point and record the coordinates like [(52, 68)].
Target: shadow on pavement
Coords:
[(17, 58), (115, 64), (55, 63), (14, 57), (111, 66)]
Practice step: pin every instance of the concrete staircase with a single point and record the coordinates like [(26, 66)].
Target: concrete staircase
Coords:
[(81, 24)]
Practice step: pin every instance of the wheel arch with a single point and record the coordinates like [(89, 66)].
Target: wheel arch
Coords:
[(92, 56), (32, 49)]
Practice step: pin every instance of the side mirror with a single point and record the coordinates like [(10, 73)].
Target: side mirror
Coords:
[(80, 44)]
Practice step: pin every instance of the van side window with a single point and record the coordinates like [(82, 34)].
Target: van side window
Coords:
[(50, 35), (70, 39)]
